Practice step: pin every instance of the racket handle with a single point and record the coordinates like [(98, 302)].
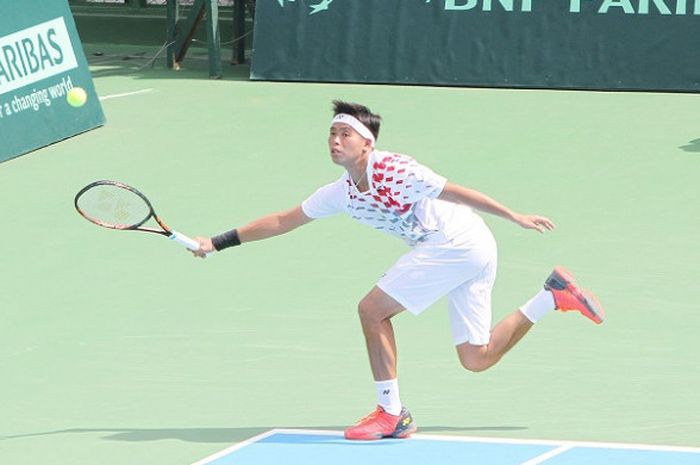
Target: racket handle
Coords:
[(184, 240)]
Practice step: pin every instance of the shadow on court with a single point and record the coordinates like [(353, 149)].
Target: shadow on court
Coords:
[(693, 146), (228, 435)]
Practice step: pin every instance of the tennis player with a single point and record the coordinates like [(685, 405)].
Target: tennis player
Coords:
[(453, 254)]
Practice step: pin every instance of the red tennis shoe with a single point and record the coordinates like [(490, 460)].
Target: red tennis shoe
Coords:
[(380, 424), (568, 296)]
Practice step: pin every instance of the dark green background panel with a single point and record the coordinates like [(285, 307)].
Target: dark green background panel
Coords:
[(413, 42)]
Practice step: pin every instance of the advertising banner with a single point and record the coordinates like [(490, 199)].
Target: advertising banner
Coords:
[(578, 44), (46, 90)]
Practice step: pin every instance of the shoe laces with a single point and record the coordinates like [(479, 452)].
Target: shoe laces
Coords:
[(378, 411)]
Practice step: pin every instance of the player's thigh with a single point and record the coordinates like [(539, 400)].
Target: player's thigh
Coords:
[(470, 308), (425, 274)]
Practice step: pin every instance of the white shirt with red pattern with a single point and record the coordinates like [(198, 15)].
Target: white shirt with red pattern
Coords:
[(401, 200)]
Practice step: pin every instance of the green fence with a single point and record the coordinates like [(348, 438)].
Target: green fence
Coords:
[(177, 24)]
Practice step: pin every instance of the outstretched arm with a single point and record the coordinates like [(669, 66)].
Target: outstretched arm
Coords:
[(460, 194), (273, 224), (267, 226)]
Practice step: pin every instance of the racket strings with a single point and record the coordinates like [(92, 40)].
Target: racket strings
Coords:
[(113, 206)]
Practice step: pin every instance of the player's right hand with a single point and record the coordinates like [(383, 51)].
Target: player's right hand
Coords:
[(205, 247)]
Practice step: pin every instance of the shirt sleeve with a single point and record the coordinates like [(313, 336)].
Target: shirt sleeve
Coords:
[(425, 182), (326, 201)]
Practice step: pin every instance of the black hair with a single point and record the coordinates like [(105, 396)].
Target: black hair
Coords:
[(361, 112)]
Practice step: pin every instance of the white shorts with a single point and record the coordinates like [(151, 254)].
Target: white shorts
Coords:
[(465, 272)]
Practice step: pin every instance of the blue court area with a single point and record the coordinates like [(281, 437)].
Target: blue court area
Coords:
[(299, 447)]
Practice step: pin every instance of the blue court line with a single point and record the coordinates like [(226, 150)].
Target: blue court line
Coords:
[(305, 447)]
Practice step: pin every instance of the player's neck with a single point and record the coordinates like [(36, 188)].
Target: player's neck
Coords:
[(358, 171), (360, 182)]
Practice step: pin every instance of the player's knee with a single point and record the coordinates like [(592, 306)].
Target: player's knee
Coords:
[(475, 359), (474, 367), (369, 314)]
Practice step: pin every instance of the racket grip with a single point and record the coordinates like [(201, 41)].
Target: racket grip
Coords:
[(184, 240)]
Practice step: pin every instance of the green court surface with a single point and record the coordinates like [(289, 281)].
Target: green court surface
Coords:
[(121, 348)]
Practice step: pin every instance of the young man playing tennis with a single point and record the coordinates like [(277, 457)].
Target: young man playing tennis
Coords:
[(453, 254)]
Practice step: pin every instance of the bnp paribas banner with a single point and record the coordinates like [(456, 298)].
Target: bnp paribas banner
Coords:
[(46, 90), (587, 44)]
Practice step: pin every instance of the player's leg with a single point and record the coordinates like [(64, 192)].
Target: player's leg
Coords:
[(390, 419), (469, 303), (376, 310), (478, 346), (504, 336), (416, 281)]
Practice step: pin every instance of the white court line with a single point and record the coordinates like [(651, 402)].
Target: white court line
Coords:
[(126, 94), (560, 446), (492, 440), (237, 446), (547, 455)]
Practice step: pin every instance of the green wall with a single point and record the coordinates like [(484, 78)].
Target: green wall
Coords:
[(587, 44)]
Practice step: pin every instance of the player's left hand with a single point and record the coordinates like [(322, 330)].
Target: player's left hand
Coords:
[(537, 222)]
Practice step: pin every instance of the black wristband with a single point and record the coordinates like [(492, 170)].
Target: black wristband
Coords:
[(226, 240)]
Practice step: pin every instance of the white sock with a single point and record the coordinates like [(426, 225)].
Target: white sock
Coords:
[(388, 396), (538, 306)]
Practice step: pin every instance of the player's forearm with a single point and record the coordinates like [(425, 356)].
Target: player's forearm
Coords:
[(270, 225), (273, 224), (475, 199), (265, 227)]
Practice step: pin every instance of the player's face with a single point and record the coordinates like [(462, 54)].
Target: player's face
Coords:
[(345, 144)]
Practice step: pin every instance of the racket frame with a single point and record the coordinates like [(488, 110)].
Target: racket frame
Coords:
[(164, 231)]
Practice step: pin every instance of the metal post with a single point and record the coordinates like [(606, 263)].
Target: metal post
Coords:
[(172, 9), (213, 38), (239, 32), (189, 26)]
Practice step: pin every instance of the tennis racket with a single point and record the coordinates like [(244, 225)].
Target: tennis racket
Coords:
[(115, 205)]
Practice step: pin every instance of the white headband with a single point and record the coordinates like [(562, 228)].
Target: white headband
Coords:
[(355, 124)]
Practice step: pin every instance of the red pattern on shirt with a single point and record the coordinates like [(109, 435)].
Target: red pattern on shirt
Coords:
[(382, 184)]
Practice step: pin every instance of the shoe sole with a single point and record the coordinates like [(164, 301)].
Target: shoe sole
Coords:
[(400, 435), (404, 433), (396, 435), (561, 278)]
